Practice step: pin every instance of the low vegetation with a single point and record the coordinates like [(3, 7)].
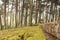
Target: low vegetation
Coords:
[(24, 33)]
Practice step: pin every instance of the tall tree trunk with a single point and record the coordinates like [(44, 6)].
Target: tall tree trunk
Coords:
[(51, 9), (26, 7), (0, 20), (25, 21), (22, 13), (19, 13), (39, 11), (5, 14), (54, 12), (11, 15), (59, 14), (8, 16), (16, 13), (36, 12), (31, 11), (47, 11)]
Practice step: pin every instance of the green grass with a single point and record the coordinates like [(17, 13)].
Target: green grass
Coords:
[(24, 33)]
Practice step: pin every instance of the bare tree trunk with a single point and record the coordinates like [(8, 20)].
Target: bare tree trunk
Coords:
[(47, 11), (16, 13), (0, 20), (36, 12), (56, 12), (39, 11), (22, 13), (26, 7), (59, 14), (5, 14), (25, 21), (11, 15), (8, 16), (51, 9), (31, 12), (19, 13)]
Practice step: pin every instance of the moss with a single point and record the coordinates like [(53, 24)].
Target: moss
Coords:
[(25, 33)]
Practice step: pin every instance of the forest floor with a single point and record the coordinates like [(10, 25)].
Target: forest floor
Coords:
[(14, 33), (25, 33), (49, 36)]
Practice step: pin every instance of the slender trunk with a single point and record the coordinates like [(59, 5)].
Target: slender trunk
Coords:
[(31, 12), (54, 12), (39, 11), (11, 15), (26, 7), (0, 21), (22, 13), (5, 14), (36, 13), (47, 11), (59, 14), (25, 21), (51, 9), (16, 13), (19, 13), (8, 16)]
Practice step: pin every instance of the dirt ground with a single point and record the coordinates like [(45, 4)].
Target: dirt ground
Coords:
[(49, 37)]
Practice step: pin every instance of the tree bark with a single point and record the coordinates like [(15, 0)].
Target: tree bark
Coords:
[(16, 13), (39, 11), (25, 21), (36, 12), (5, 14), (31, 12), (0, 20), (51, 9), (22, 13), (19, 13)]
